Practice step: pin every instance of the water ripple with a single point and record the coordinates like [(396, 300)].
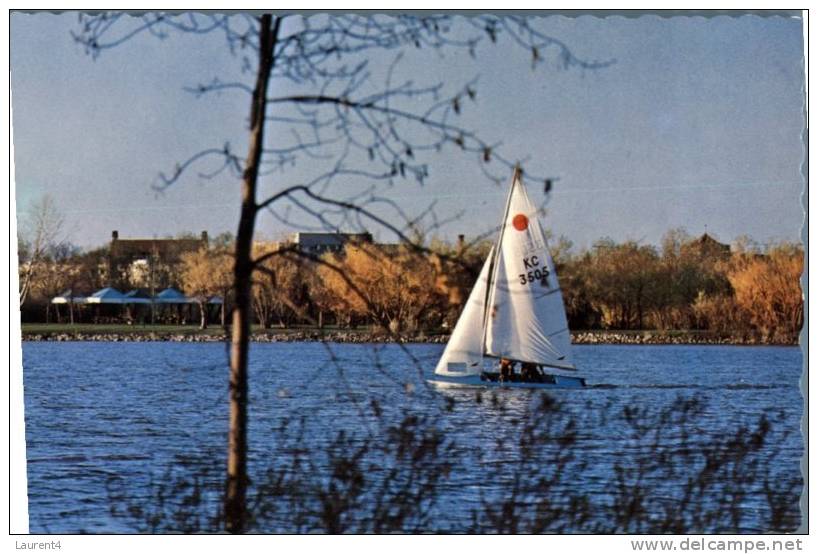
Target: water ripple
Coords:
[(128, 410)]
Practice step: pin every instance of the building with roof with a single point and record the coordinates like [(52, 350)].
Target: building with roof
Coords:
[(708, 247), (319, 243), (152, 264)]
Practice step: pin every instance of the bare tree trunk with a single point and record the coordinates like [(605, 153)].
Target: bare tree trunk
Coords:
[(25, 286), (235, 508), (203, 315)]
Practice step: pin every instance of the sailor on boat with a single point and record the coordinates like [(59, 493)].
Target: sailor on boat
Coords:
[(506, 370), (529, 373)]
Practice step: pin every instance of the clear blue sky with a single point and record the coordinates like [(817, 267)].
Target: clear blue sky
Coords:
[(697, 124)]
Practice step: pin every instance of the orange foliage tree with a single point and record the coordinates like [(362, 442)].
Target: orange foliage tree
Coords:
[(456, 269), (768, 290), (279, 287), (206, 273), (394, 286)]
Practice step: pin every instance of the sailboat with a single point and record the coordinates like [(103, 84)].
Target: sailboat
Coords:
[(515, 312)]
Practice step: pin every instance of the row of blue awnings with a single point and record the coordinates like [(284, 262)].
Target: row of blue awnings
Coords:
[(110, 295)]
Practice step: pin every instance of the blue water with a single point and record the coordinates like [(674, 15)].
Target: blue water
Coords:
[(101, 411)]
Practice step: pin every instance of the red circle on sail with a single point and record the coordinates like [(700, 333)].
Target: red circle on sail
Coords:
[(520, 222)]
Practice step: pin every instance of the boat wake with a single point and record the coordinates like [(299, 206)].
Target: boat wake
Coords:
[(735, 386)]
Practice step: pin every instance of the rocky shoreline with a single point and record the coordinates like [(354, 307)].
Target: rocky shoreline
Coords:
[(581, 337)]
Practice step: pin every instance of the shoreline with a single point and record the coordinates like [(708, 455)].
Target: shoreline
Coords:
[(364, 337)]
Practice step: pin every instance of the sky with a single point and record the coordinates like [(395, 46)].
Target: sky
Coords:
[(697, 124)]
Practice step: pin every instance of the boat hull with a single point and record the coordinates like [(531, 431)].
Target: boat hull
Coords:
[(484, 380)]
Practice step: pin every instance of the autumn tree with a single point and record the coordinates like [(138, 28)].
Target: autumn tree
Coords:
[(205, 273), (689, 269), (719, 313), (577, 294), (768, 290), (330, 299), (622, 279), (325, 108), (223, 245), (93, 270), (279, 287), (456, 267), (678, 287), (395, 285)]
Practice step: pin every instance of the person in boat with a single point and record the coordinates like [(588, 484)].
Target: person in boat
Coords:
[(506, 369), (530, 373)]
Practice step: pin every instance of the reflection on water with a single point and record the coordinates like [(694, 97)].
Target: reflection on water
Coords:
[(96, 411)]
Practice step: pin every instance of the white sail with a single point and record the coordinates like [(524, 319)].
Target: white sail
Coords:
[(525, 318), (464, 351)]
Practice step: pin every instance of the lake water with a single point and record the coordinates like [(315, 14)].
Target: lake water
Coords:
[(128, 411)]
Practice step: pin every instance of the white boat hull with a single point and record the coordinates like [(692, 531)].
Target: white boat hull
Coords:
[(559, 382)]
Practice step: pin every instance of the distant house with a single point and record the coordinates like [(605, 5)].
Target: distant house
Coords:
[(319, 243), (148, 263), (707, 247)]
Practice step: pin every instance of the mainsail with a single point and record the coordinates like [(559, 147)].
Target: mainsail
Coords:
[(525, 316), (464, 351)]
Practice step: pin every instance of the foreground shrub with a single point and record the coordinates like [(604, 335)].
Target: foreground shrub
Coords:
[(542, 474)]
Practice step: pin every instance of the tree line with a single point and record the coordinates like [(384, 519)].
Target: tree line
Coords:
[(687, 283)]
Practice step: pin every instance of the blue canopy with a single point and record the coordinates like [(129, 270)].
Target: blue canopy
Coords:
[(108, 295), (137, 296), (172, 296)]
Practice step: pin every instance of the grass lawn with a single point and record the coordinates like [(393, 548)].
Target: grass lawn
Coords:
[(118, 328), (115, 328)]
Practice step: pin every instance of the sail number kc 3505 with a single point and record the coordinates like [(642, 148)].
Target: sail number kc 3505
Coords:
[(535, 273)]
